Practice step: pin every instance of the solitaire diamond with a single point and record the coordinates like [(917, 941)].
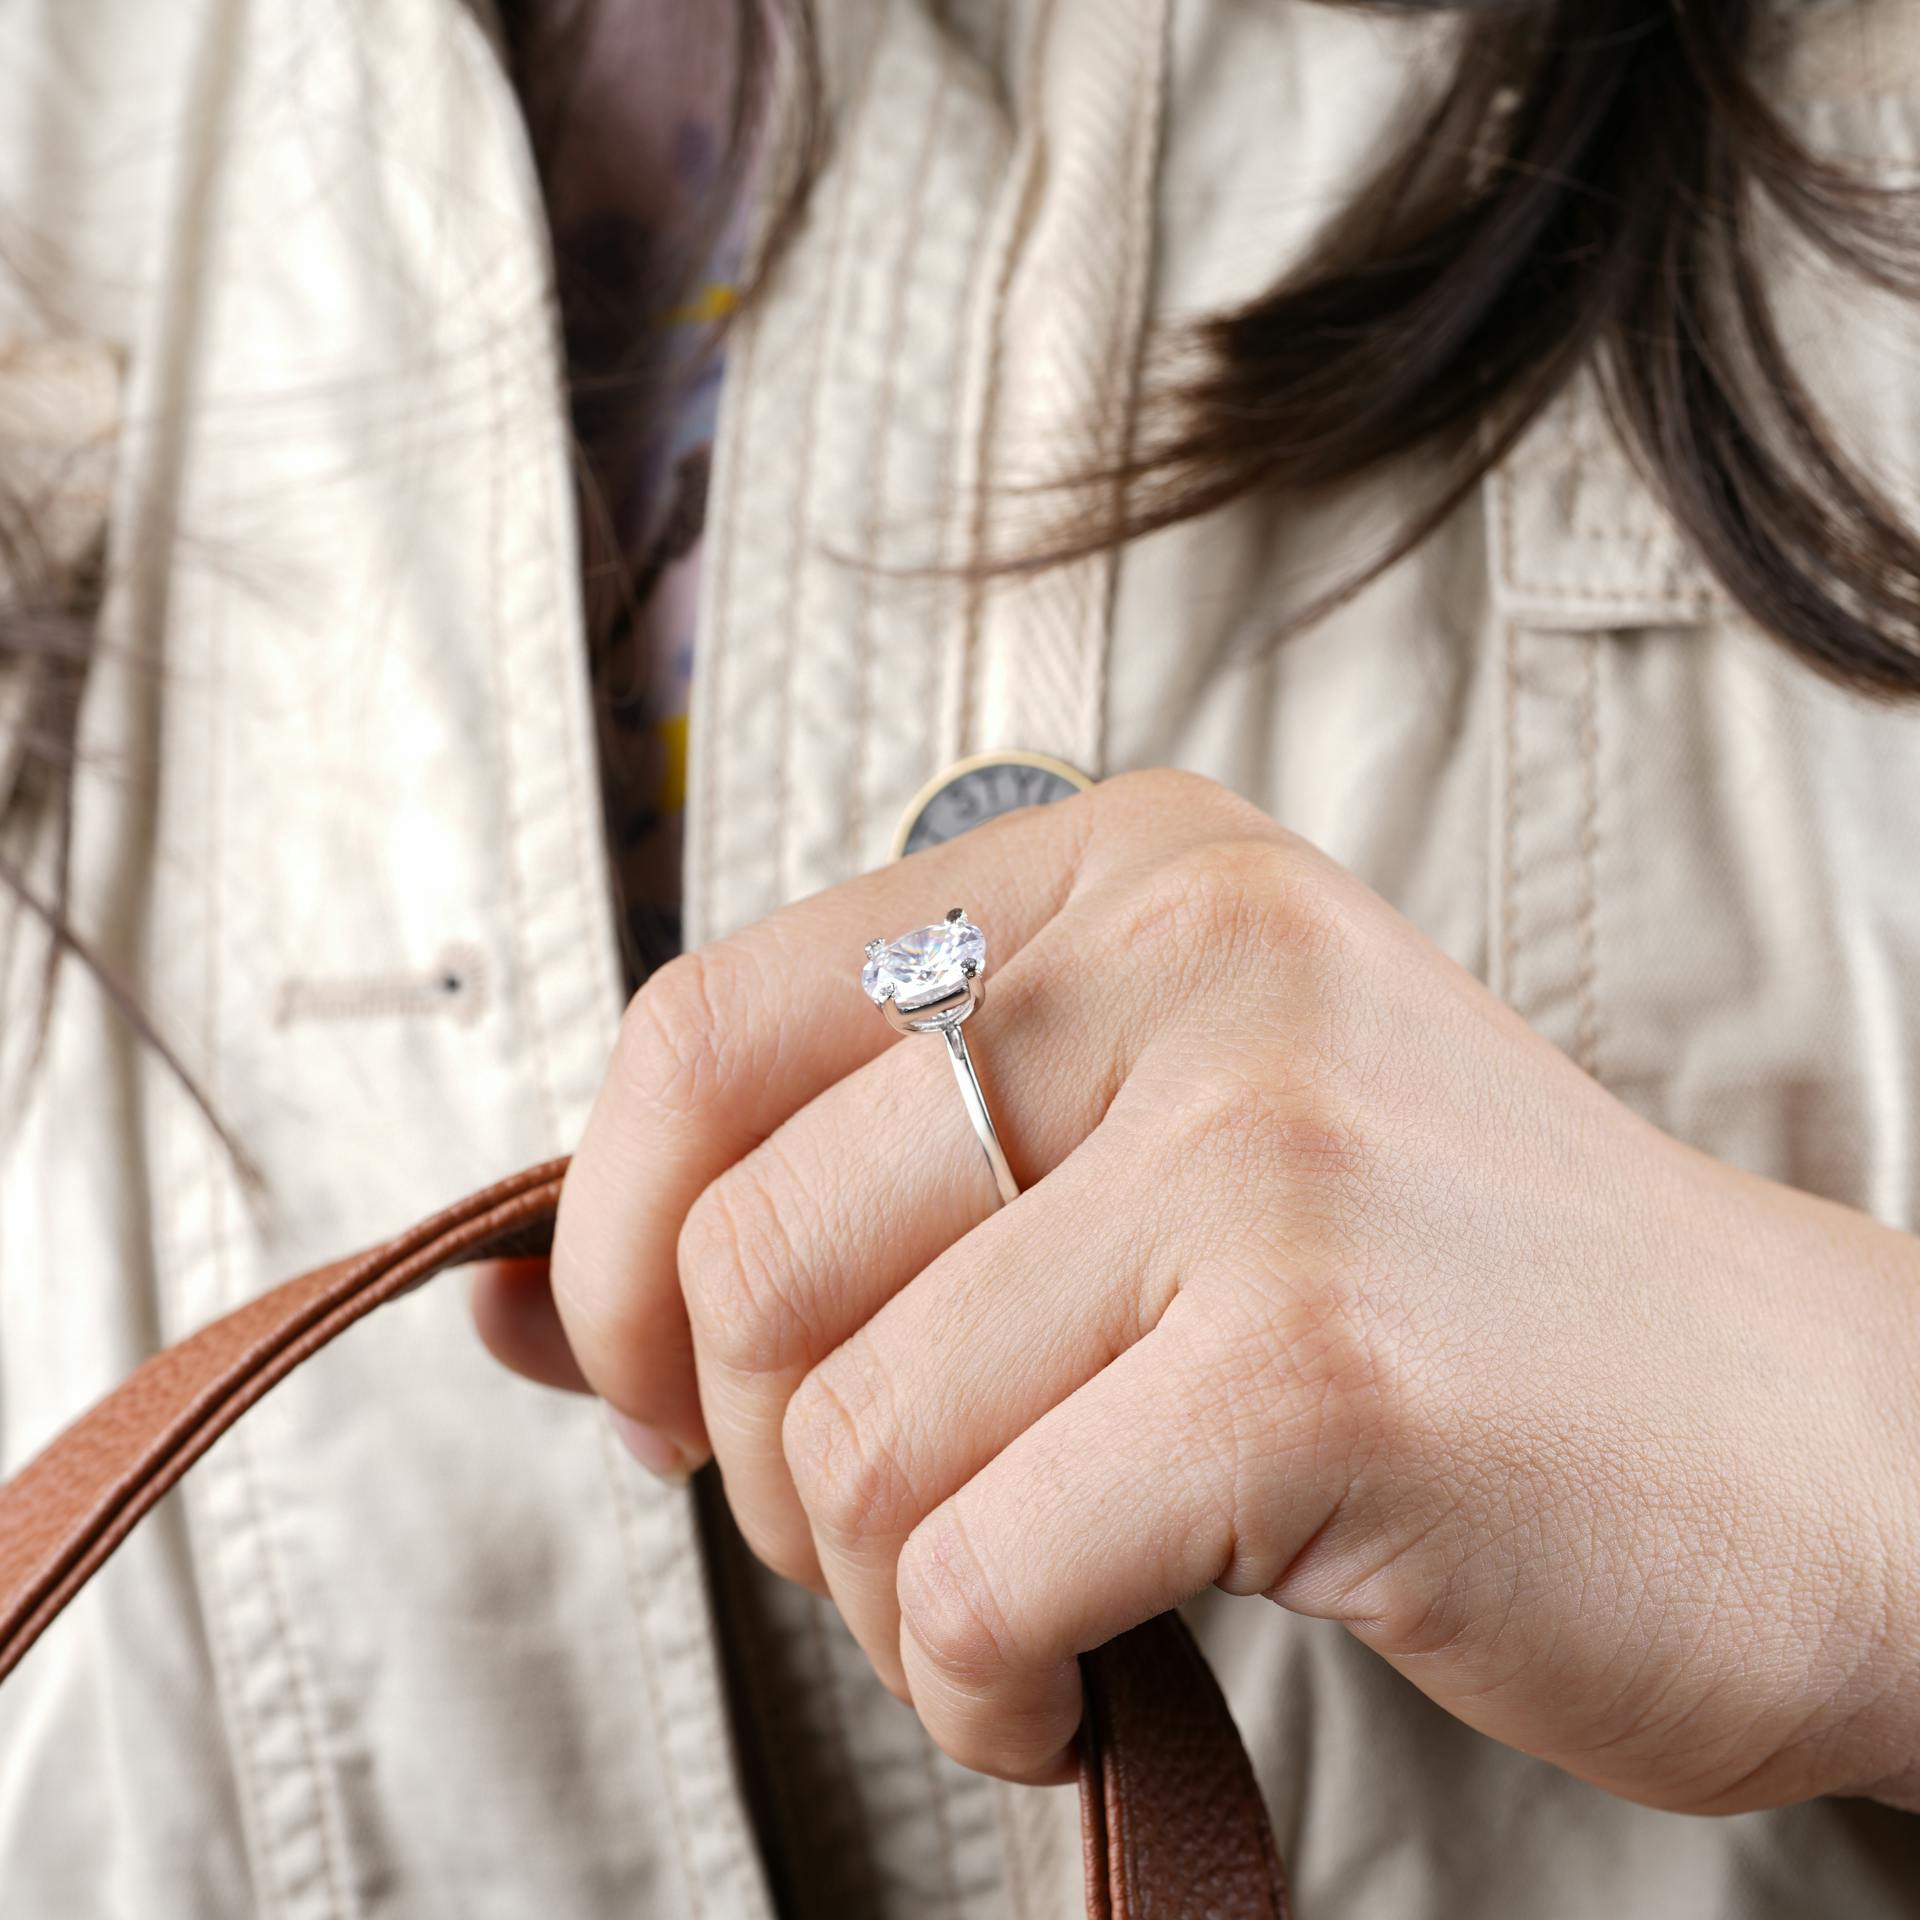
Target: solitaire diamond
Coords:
[(925, 965)]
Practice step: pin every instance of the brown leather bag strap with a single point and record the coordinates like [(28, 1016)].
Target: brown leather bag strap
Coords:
[(1172, 1821), (1172, 1818)]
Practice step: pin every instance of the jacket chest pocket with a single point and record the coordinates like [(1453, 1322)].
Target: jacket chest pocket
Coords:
[(1706, 868)]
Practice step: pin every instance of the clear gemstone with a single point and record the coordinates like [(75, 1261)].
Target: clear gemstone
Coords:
[(925, 965)]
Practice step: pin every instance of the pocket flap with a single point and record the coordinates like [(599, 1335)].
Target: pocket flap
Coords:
[(1579, 538)]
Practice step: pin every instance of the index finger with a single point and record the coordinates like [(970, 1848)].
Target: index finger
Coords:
[(721, 1047)]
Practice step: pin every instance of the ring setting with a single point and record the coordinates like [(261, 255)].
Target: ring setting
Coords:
[(931, 981), (928, 980)]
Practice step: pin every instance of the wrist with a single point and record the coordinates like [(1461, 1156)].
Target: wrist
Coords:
[(1863, 1279), (1830, 1410), (1870, 1748), (1876, 1745)]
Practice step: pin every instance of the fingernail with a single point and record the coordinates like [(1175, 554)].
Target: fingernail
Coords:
[(652, 1448)]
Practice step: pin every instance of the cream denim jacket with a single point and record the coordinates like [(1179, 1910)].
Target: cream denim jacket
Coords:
[(418, 1642)]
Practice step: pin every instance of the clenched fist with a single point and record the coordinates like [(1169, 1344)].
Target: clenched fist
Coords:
[(1330, 1282)]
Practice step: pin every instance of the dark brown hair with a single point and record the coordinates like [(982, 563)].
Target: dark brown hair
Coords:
[(1586, 191)]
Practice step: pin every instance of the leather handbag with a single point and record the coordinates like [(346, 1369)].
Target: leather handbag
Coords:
[(1173, 1826)]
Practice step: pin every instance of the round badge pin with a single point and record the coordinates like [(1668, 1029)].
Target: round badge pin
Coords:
[(981, 788)]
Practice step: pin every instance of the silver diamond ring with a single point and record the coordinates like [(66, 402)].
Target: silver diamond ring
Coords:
[(929, 981)]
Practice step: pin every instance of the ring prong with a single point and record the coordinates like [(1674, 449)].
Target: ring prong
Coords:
[(875, 948), (956, 913), (969, 968)]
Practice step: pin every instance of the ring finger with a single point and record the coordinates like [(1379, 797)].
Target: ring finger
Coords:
[(803, 1239)]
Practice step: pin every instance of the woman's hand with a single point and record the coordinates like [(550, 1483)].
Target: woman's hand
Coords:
[(1332, 1282)]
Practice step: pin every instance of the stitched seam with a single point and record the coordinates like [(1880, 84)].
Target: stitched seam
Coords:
[(1012, 1850), (223, 1643), (640, 1595), (524, 994), (1121, 1841), (273, 1585), (1694, 600), (881, 446), (220, 1250), (829, 1684), (1140, 172), (1589, 860), (213, 92), (222, 1635), (567, 639), (1509, 513), (949, 509), (712, 632), (785, 1814), (720, 558), (975, 607), (1510, 828), (942, 1823), (720, 1761), (816, 390), (1628, 534)]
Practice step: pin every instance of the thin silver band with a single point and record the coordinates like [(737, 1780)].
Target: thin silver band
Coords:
[(959, 998), (975, 1102)]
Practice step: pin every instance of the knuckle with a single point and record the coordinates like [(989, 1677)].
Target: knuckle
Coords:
[(738, 1276), (1305, 1131), (846, 1470), (1300, 1368), (1157, 793), (1268, 891), (1303, 1255), (667, 1055), (947, 1601), (1283, 1386), (1252, 901)]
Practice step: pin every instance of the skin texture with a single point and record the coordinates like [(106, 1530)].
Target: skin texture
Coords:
[(1331, 1282)]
